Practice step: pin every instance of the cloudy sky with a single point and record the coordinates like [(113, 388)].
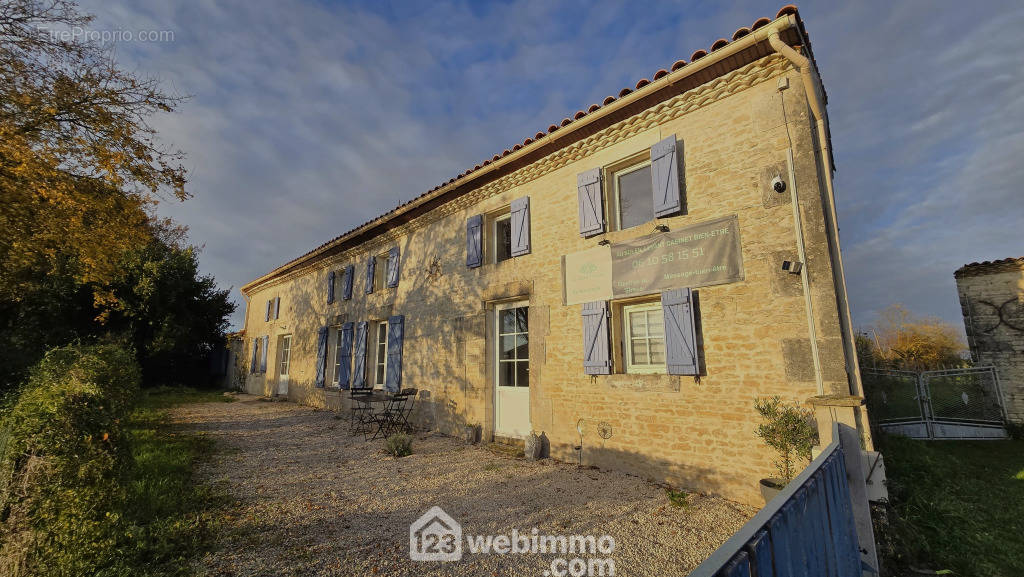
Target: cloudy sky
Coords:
[(308, 118)]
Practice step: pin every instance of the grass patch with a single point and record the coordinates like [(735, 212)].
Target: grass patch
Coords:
[(172, 518), (959, 505)]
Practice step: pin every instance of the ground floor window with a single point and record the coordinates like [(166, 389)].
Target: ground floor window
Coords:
[(513, 347), (286, 354), (643, 332), (338, 357), (381, 354)]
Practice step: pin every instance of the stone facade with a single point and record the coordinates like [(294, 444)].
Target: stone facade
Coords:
[(698, 432), (992, 301)]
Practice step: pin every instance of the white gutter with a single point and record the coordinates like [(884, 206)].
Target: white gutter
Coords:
[(811, 84)]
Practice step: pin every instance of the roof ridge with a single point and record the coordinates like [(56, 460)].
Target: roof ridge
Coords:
[(788, 9)]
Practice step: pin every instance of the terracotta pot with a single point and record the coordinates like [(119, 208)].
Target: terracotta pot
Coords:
[(771, 487)]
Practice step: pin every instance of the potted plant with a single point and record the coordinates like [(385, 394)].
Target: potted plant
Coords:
[(790, 430)]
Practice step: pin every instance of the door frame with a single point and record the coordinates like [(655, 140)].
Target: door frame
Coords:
[(495, 342), (283, 378)]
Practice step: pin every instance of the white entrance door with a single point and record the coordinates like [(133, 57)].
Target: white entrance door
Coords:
[(285, 346), (512, 370)]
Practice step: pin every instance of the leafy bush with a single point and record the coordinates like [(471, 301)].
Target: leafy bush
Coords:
[(789, 430), (62, 451), (399, 445), (678, 498)]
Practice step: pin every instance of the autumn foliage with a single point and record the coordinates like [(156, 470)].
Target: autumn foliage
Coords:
[(901, 340)]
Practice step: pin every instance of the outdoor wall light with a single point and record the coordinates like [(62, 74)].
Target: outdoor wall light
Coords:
[(661, 228), (604, 242), (793, 267), (778, 185)]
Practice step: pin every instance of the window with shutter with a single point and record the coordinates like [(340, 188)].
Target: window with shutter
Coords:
[(501, 236), (266, 316), (474, 241), (395, 334), (520, 211), (255, 355), (371, 266), (350, 274), (359, 364), (343, 356), (591, 202), (263, 353), (596, 357), (394, 267), (277, 308), (330, 287), (643, 336), (321, 358), (665, 178), (680, 332)]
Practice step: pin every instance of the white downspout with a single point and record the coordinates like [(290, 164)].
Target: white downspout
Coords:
[(807, 74)]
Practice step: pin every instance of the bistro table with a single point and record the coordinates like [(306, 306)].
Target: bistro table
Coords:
[(380, 398)]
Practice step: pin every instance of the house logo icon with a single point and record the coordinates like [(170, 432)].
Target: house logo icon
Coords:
[(435, 537)]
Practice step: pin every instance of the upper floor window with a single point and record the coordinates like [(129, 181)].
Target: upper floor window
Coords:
[(632, 198), (380, 271), (501, 237)]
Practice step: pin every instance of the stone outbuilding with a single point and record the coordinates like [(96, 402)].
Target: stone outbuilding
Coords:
[(992, 301), (628, 279)]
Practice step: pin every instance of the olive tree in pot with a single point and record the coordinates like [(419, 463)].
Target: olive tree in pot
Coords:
[(790, 430)]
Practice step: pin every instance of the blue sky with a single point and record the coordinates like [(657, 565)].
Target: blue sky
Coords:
[(308, 118)]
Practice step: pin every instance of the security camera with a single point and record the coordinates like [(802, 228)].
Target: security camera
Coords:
[(778, 185)]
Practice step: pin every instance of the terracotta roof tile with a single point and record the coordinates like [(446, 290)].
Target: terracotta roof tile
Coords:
[(718, 44), (989, 266)]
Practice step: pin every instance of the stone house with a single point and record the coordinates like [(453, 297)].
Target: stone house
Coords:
[(627, 280), (992, 301)]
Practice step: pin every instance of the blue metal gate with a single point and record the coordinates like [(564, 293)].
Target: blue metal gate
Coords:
[(808, 529)]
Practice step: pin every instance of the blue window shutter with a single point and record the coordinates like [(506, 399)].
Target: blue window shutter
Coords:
[(330, 287), (359, 369), (371, 266), (266, 316), (474, 241), (396, 334), (263, 353), (680, 332), (591, 201), (350, 274), (596, 355), (321, 357), (255, 355), (345, 367), (665, 177), (277, 308), (520, 210), (394, 266)]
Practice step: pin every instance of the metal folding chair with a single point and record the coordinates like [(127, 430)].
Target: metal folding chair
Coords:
[(410, 404), (389, 419), (361, 413)]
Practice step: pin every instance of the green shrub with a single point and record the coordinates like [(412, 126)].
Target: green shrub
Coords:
[(62, 451), (788, 429), (678, 498), (399, 445)]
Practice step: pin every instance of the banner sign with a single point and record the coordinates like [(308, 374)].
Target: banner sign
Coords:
[(587, 275), (700, 255)]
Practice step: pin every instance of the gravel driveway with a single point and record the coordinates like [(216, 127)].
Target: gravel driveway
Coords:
[(313, 500)]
